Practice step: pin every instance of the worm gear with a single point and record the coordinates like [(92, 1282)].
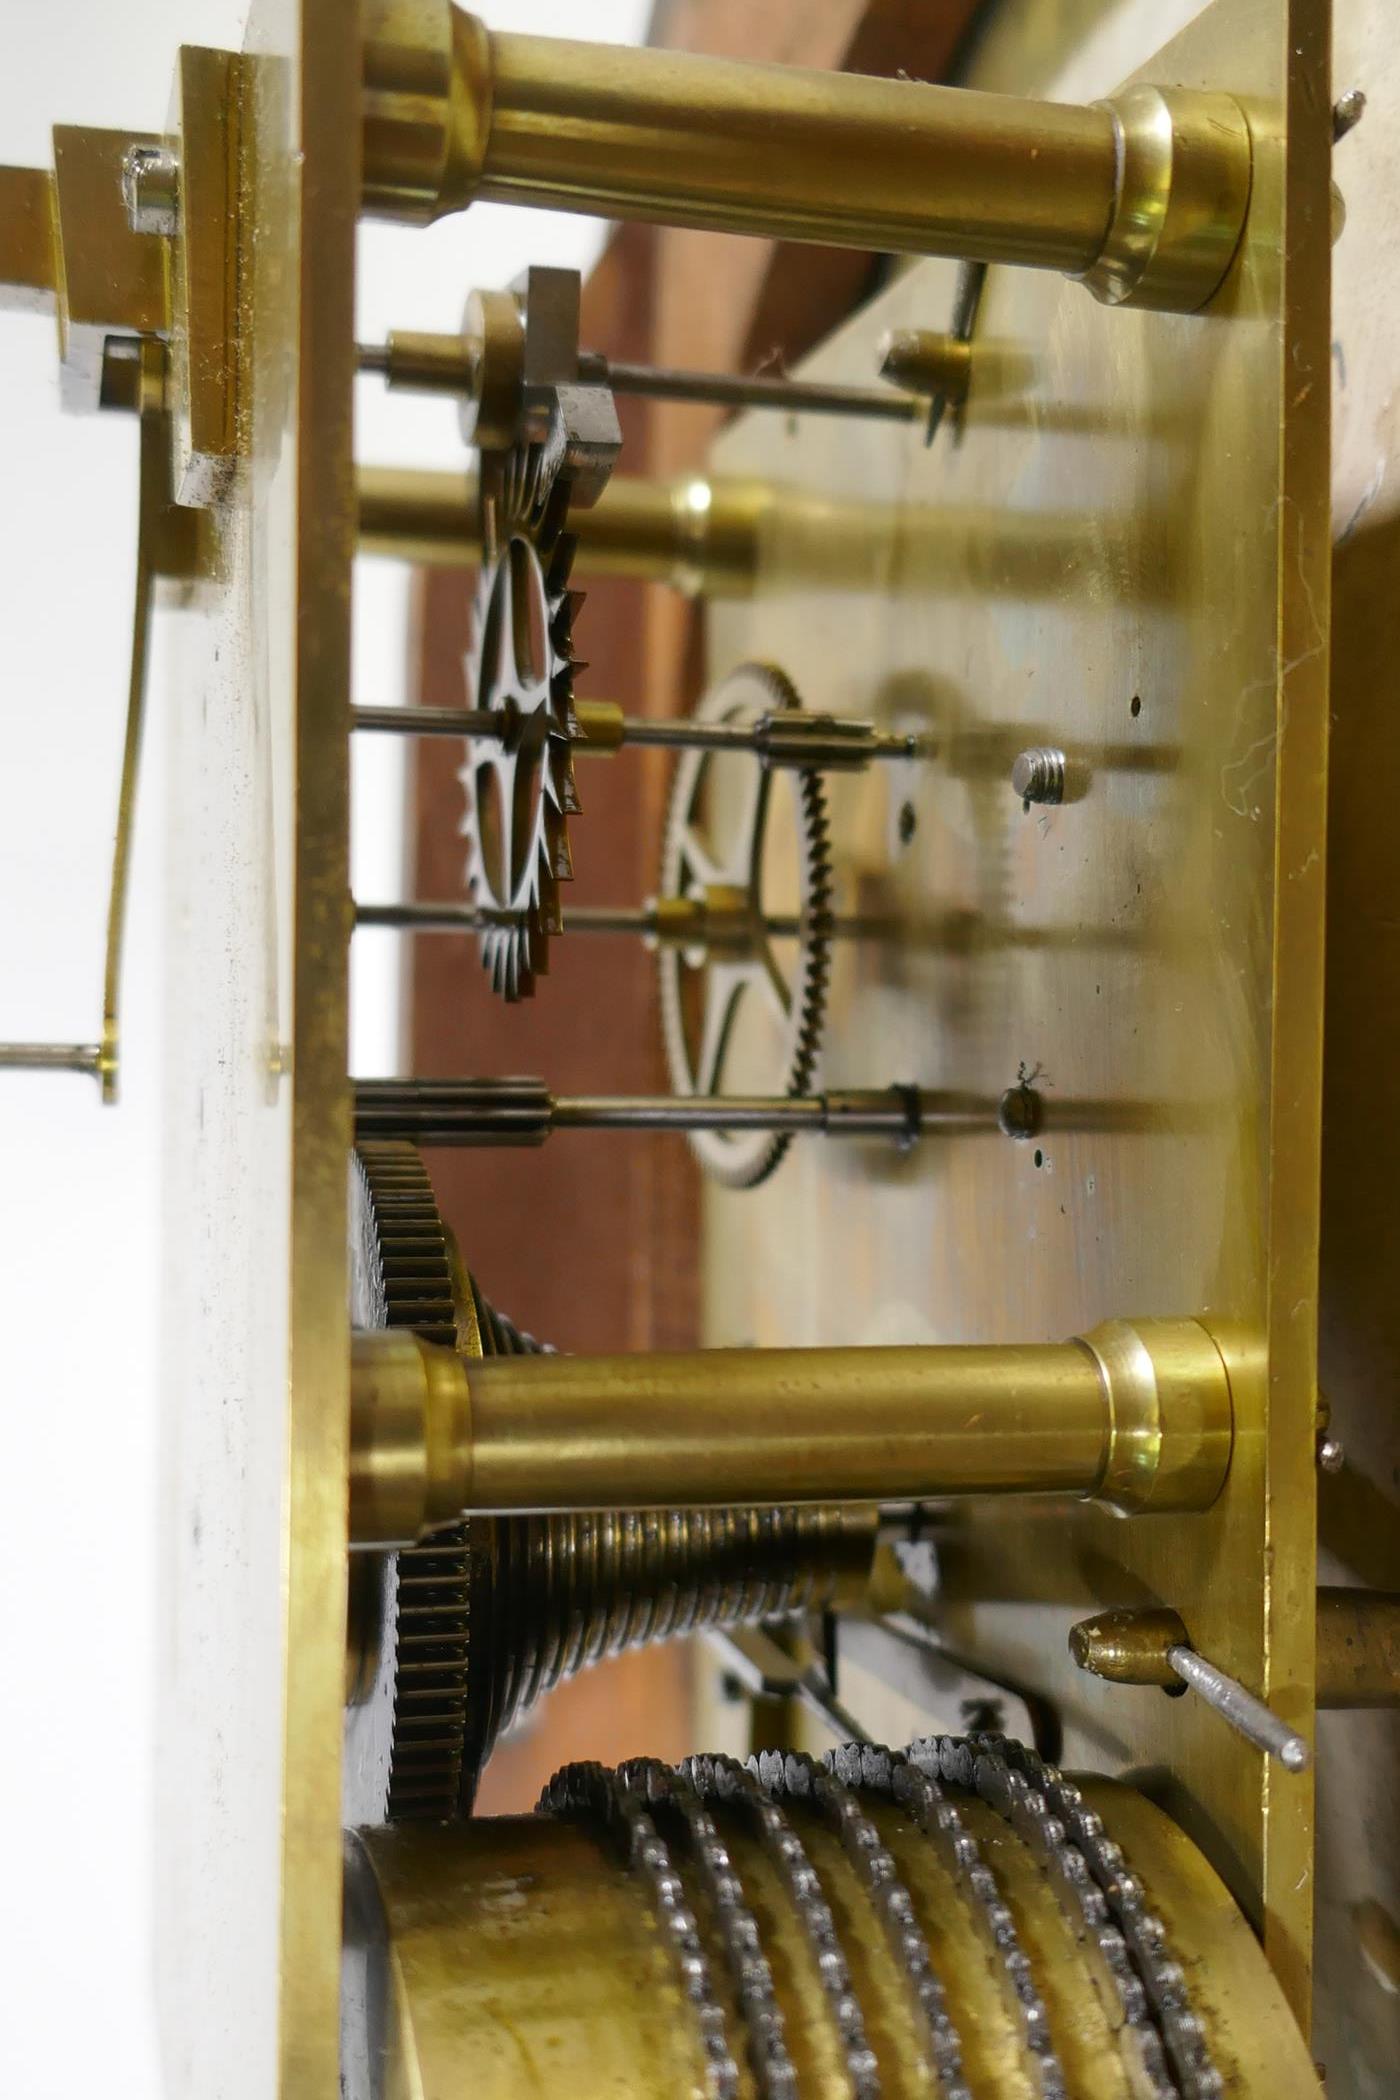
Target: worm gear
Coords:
[(704, 988), (451, 1640)]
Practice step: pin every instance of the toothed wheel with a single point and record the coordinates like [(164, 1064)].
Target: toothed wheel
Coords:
[(520, 786), (410, 1612), (717, 845), (450, 1641), (423, 1703)]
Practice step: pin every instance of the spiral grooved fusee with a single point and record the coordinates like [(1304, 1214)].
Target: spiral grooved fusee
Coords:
[(567, 1591)]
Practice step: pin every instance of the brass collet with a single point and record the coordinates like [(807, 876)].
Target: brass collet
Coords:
[(1135, 1414), (1143, 197)]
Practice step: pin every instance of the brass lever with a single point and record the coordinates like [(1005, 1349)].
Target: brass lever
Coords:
[(102, 1060)]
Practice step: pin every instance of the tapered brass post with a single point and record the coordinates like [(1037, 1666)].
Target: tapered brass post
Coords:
[(699, 535), (1143, 197), (1134, 1415)]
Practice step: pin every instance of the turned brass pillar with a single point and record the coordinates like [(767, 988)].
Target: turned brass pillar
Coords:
[(1134, 1415), (1143, 197), (700, 536)]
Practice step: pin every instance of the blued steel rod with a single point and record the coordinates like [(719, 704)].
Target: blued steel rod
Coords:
[(610, 729), (475, 918), (438, 918), (430, 721), (524, 1112), (635, 918), (685, 735), (733, 390), (445, 370), (883, 1112), (488, 722), (688, 736), (52, 1057)]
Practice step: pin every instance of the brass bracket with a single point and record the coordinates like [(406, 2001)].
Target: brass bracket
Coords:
[(68, 244), (205, 119), (147, 310)]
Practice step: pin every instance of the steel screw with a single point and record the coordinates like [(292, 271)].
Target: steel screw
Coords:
[(1331, 1456), (1039, 775), (151, 189), (1347, 112)]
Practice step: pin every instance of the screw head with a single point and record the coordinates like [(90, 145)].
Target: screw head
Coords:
[(1347, 112), (1331, 1455), (151, 189), (1038, 775)]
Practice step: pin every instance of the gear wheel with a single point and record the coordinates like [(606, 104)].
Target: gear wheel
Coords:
[(520, 786), (452, 1640), (422, 1711), (409, 1611), (693, 862)]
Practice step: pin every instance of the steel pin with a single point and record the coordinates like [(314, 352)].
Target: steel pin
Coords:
[(1152, 1647)]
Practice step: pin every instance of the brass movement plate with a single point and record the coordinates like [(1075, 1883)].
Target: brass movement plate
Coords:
[(257, 1127), (1123, 552)]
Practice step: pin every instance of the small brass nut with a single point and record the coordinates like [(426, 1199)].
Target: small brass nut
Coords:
[(924, 361), (1129, 1647), (151, 189)]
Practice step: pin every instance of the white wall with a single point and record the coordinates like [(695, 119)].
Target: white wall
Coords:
[(79, 1217)]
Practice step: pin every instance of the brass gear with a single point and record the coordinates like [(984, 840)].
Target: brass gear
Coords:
[(520, 786), (689, 864), (451, 1641), (405, 1719)]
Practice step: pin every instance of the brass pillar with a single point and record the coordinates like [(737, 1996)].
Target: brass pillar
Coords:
[(698, 535), (1143, 197), (1137, 1416)]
